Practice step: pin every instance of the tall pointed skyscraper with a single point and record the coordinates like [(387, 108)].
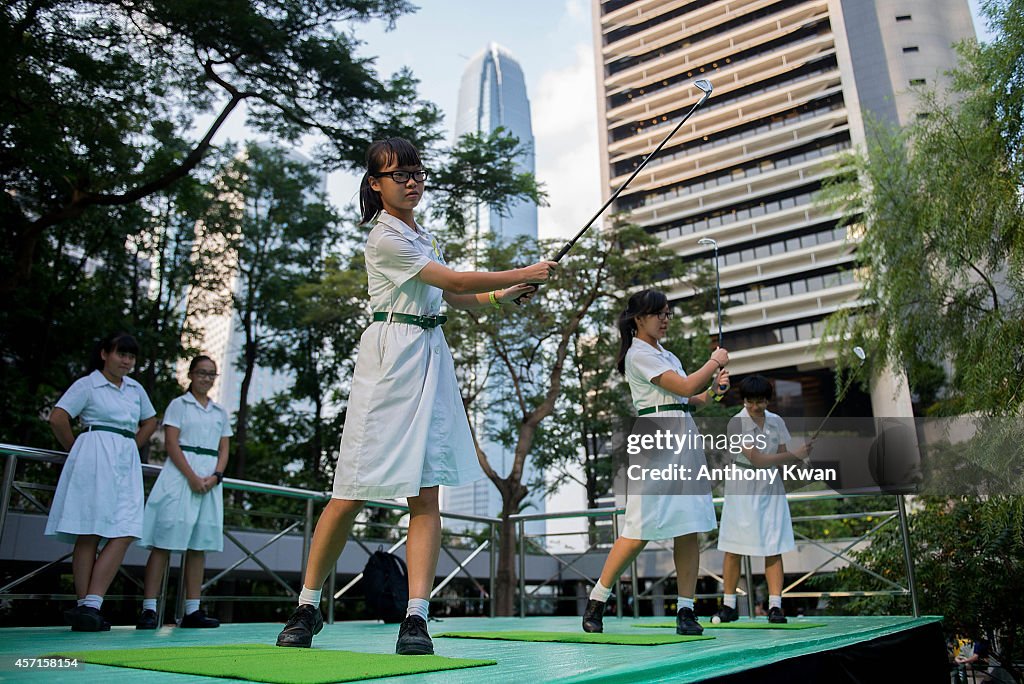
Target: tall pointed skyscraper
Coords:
[(493, 94)]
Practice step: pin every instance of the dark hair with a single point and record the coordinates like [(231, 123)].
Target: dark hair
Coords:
[(119, 341), (643, 303), (378, 157), (195, 362), (756, 387)]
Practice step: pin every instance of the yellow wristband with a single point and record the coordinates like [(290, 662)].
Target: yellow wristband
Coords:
[(493, 300)]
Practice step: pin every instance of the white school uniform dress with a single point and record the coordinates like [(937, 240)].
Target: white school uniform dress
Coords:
[(176, 517), (100, 486), (664, 516), (755, 515), (406, 427)]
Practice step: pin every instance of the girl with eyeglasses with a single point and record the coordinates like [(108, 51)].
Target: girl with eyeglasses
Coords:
[(755, 514), (99, 494), (662, 389), (406, 431), (185, 509)]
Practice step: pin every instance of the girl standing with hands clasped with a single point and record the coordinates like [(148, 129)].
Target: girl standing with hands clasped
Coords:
[(99, 494), (661, 389), (406, 430), (185, 510)]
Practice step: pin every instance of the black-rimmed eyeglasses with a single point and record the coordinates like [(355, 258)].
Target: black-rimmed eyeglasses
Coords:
[(402, 177)]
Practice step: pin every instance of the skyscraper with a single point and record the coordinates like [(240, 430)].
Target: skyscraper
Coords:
[(492, 94), (795, 82)]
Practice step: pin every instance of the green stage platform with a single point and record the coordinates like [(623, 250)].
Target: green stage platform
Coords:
[(915, 642)]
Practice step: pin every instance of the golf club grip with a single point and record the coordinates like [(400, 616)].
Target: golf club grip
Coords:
[(558, 257)]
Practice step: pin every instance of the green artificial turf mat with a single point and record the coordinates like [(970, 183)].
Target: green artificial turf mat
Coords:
[(579, 637), (264, 663), (742, 624)]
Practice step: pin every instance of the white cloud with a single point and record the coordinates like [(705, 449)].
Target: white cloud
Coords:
[(565, 133)]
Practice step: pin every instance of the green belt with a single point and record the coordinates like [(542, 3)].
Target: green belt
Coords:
[(664, 407), (425, 322), (199, 450), (106, 428)]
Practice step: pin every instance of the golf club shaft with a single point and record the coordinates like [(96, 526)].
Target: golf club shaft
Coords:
[(569, 245)]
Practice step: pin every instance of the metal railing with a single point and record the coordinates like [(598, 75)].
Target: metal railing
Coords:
[(527, 545)]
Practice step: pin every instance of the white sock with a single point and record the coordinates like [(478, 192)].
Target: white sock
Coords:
[(81, 602), (93, 601), (774, 602), (729, 600), (600, 592), (310, 597), (418, 607), (191, 606), (683, 602), (149, 604)]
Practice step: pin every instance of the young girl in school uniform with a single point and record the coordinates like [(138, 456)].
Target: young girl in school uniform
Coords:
[(755, 515), (406, 430), (661, 389), (99, 494), (185, 510)]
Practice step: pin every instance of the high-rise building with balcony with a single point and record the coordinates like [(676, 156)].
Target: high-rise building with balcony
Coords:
[(796, 83)]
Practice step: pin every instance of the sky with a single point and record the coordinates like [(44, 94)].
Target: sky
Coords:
[(553, 42)]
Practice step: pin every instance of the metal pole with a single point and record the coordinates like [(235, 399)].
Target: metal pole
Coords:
[(179, 603), (748, 574), (5, 496), (307, 535), (907, 555), (521, 525), (330, 594), (718, 289), (635, 583), (161, 606), (494, 606)]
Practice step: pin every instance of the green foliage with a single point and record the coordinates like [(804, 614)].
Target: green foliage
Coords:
[(968, 560), (939, 207)]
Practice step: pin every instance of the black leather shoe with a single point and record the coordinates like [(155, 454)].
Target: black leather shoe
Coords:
[(686, 623), (593, 616), (727, 614), (147, 620), (302, 625), (86, 619), (199, 620), (413, 638), (776, 616)]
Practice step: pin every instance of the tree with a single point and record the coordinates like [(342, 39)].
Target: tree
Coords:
[(99, 98), (940, 210), (529, 349)]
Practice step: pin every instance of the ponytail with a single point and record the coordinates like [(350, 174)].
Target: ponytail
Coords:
[(642, 303), (379, 156)]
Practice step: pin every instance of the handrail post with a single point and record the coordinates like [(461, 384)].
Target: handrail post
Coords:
[(618, 583), (6, 494), (493, 602), (748, 574), (307, 535), (521, 526), (908, 556)]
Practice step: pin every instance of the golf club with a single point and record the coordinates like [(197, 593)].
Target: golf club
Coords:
[(860, 354), (705, 87), (718, 298)]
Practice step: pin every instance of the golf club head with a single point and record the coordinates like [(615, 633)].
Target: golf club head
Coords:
[(859, 353), (704, 85)]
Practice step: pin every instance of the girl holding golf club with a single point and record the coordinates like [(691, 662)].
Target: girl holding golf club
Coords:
[(755, 515), (406, 430), (661, 389), (99, 494)]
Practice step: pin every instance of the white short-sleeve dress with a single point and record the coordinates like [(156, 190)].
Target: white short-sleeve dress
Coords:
[(100, 486), (406, 427), (664, 516), (755, 515), (176, 517)]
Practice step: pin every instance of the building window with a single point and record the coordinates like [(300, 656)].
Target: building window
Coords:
[(902, 17), (912, 48)]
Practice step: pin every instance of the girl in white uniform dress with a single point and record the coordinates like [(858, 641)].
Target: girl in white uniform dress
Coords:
[(661, 389), (99, 494), (406, 430), (755, 515), (185, 509)]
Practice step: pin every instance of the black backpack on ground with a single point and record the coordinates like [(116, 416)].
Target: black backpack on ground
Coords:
[(386, 584)]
